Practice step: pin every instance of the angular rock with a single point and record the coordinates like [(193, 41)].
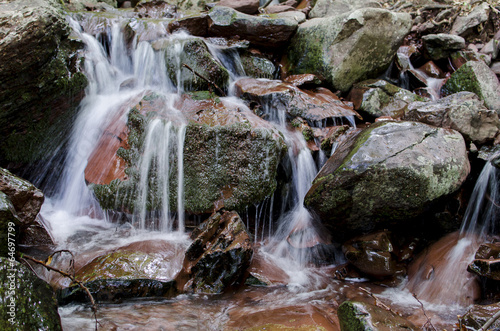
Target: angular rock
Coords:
[(478, 315), (156, 9), (388, 173), (143, 29), (461, 111), (488, 268), (259, 30), (361, 316), (327, 8), (464, 25), (219, 255), (195, 54), (349, 48), (276, 97), (244, 6), (441, 45), (34, 301), (26, 198), (380, 98), (461, 57), (9, 227), (476, 77), (373, 255), (257, 66), (196, 25), (40, 90)]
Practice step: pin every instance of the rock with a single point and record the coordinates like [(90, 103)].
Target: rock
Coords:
[(354, 315), (478, 315), (476, 77), (461, 57), (259, 30), (143, 29), (489, 268), (492, 48), (117, 290), (373, 255), (9, 227), (461, 111), (243, 6), (194, 53), (156, 9), (495, 67), (348, 48), (230, 158), (380, 98), (464, 25), (257, 66), (327, 8), (34, 301), (187, 7), (39, 91), (26, 198), (303, 80), (389, 173), (275, 9), (219, 255), (440, 46), (275, 96), (196, 25), (80, 5)]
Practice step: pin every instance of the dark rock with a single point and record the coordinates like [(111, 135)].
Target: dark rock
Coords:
[(155, 9), (9, 227), (373, 255), (259, 30), (194, 25), (489, 268), (34, 301), (478, 315), (219, 255), (388, 173), (476, 77), (440, 46), (40, 90), (256, 66), (360, 316), (349, 48), (461, 111), (303, 80)]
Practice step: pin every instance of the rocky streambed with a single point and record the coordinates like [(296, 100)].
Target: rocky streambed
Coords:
[(241, 165)]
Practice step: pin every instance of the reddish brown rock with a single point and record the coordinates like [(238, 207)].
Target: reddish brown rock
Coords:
[(195, 25), (244, 6)]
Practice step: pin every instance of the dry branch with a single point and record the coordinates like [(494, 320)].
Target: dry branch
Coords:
[(221, 92)]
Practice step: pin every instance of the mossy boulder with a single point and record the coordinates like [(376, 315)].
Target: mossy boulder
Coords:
[(348, 48), (219, 255), (381, 98), (39, 91), (230, 157), (388, 174), (461, 111), (361, 316), (475, 77), (257, 66), (194, 53), (34, 301)]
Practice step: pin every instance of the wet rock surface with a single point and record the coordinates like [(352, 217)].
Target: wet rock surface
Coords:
[(478, 315), (219, 255), (389, 173)]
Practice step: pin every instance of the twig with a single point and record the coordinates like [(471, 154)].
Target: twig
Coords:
[(425, 314), (72, 277), (490, 321), (221, 92), (377, 302)]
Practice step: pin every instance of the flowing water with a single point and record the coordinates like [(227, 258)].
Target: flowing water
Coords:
[(293, 242)]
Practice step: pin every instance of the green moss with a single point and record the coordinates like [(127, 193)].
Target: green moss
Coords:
[(351, 318)]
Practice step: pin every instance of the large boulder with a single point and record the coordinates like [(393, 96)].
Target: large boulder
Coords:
[(194, 53), (442, 45), (388, 173), (26, 301), (39, 90), (267, 31), (476, 77), (461, 111), (230, 157), (349, 48), (219, 255)]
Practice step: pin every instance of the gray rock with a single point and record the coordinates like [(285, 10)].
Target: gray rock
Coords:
[(476, 77), (244, 6), (327, 8), (257, 66), (268, 31), (219, 255), (26, 198), (440, 46), (461, 111), (348, 48), (9, 223), (390, 172), (464, 24), (380, 98)]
